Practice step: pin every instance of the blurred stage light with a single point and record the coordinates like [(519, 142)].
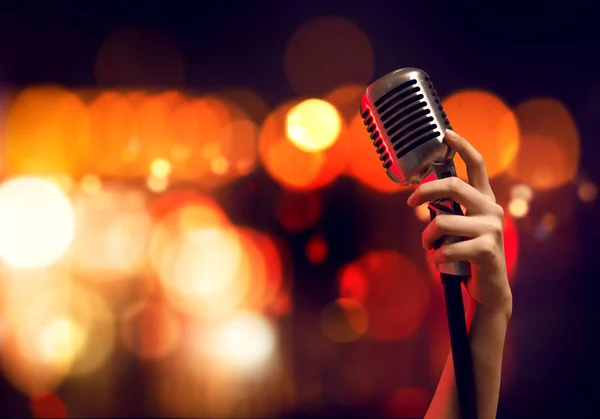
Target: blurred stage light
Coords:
[(298, 211), (150, 330), (344, 320), (244, 342), (326, 52), (290, 166), (488, 123), (587, 191), (363, 163), (393, 291), (422, 212), (521, 191), (45, 404), (313, 125), (113, 230), (36, 220), (160, 168), (139, 56), (518, 207), (317, 249), (549, 151), (42, 142)]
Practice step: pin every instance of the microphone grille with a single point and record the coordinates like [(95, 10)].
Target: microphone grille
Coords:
[(402, 112)]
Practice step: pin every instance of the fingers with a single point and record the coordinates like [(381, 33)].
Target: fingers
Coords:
[(453, 188), (478, 250), (456, 225), (476, 170)]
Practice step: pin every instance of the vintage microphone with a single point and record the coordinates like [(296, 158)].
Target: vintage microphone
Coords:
[(407, 124)]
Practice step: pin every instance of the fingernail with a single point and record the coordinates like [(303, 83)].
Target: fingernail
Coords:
[(451, 134), (411, 199)]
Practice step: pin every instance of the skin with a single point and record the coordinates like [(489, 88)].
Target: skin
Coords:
[(490, 303)]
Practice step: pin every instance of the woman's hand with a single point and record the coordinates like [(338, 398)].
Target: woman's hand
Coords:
[(482, 228)]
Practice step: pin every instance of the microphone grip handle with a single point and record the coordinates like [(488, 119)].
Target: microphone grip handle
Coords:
[(448, 206)]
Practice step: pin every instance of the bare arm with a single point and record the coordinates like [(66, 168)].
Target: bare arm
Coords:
[(487, 331), (490, 305)]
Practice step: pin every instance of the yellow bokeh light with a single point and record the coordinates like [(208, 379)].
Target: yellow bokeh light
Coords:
[(160, 168), (518, 207), (487, 123), (37, 222), (245, 341), (521, 191), (313, 125), (157, 184), (61, 341), (90, 184)]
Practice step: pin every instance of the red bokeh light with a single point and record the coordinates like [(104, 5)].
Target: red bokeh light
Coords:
[(393, 291), (317, 249), (47, 405), (297, 211)]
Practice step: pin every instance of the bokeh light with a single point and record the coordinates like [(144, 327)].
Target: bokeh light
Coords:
[(344, 320), (47, 405), (549, 151), (410, 402), (488, 123), (521, 191), (313, 125), (327, 52), (113, 231), (290, 166), (518, 207), (317, 249), (297, 211), (363, 162), (245, 341), (139, 56), (42, 142), (393, 291), (150, 330), (587, 191), (37, 221)]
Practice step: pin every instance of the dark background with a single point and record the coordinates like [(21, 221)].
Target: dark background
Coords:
[(516, 51)]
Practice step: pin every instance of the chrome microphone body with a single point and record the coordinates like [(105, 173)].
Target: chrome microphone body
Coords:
[(407, 123)]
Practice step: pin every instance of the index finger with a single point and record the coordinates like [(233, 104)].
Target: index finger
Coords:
[(476, 171)]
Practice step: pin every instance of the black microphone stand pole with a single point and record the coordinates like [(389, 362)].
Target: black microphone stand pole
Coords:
[(457, 325)]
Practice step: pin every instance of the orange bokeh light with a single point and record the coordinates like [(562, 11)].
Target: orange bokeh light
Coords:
[(488, 123), (43, 142), (363, 162), (549, 153), (288, 165)]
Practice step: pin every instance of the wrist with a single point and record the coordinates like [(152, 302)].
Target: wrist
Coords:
[(500, 309)]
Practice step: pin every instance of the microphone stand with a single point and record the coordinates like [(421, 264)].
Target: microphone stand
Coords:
[(452, 276)]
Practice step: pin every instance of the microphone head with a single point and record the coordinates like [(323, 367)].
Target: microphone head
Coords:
[(406, 121)]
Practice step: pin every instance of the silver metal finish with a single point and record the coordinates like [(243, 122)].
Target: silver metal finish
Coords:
[(407, 123)]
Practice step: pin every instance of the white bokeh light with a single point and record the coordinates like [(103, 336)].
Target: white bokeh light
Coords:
[(37, 222)]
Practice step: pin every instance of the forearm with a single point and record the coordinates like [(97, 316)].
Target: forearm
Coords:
[(487, 332)]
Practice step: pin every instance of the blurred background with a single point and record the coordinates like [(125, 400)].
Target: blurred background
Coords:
[(193, 222)]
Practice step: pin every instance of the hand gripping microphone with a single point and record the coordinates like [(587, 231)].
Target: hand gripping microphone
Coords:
[(407, 124)]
